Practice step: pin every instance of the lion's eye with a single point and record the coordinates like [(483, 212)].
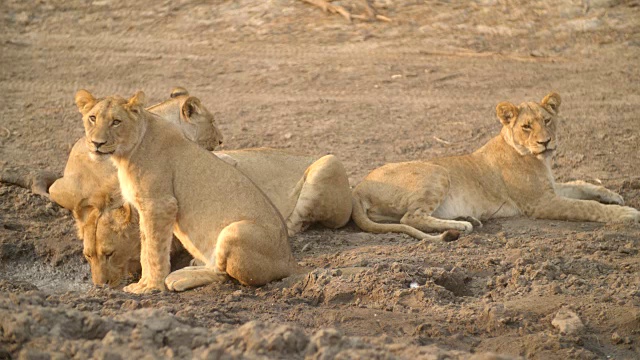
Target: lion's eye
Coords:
[(526, 127), (88, 256), (116, 122), (92, 119), (547, 121), (109, 255)]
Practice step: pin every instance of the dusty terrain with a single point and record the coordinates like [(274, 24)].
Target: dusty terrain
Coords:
[(281, 73)]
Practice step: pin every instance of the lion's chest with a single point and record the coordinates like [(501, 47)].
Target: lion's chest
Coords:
[(127, 186)]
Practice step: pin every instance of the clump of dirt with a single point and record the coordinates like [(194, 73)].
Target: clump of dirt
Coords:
[(37, 325)]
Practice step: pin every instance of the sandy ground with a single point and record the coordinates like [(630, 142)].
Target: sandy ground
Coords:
[(283, 74)]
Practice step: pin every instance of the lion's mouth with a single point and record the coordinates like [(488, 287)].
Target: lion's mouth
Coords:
[(546, 151), (103, 153)]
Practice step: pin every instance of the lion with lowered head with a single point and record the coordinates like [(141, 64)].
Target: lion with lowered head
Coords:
[(509, 176), (221, 218)]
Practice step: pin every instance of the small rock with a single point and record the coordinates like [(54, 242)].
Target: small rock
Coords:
[(567, 322), (288, 136), (616, 339)]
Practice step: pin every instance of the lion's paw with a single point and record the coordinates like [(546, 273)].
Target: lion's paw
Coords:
[(179, 280), (629, 215), (196, 262), (607, 196), (470, 219), (144, 288), (464, 226)]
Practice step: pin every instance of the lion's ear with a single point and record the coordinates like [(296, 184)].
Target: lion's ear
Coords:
[(84, 101), (551, 102), (82, 210), (125, 213), (178, 91), (506, 112), (190, 107), (124, 216), (136, 102)]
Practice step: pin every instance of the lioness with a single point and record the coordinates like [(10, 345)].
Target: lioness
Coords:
[(510, 175), (221, 218)]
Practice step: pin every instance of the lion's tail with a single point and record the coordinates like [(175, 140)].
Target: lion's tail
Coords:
[(361, 219), (36, 181)]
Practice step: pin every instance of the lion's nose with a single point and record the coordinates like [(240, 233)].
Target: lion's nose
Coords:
[(544, 143), (98, 144)]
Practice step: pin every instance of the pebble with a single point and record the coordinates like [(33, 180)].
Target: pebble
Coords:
[(567, 322)]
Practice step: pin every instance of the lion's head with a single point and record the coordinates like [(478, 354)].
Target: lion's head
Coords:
[(530, 127), (111, 237), (195, 121), (112, 125)]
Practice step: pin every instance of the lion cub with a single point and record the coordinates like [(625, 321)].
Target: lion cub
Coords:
[(508, 176), (221, 218)]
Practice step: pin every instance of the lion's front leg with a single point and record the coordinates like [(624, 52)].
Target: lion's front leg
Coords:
[(561, 208), (582, 190), (157, 218)]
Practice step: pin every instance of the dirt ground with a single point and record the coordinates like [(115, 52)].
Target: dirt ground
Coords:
[(283, 74)]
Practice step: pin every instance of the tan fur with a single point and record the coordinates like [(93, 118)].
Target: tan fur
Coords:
[(217, 213), (510, 175)]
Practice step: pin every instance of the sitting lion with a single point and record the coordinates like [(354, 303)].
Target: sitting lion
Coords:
[(509, 176)]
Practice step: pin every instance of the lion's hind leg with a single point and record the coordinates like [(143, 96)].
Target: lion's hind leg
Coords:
[(193, 276), (422, 206), (324, 196), (252, 254)]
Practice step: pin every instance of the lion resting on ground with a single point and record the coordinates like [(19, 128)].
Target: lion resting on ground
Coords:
[(220, 217), (509, 176)]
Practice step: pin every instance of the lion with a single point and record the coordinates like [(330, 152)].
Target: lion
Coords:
[(105, 216), (220, 217), (509, 176)]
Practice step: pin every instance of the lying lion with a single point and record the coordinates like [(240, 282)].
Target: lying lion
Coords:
[(509, 176)]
